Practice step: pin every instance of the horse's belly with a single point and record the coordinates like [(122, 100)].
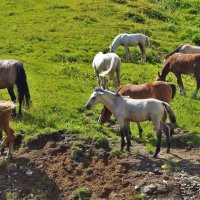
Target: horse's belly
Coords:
[(2, 84)]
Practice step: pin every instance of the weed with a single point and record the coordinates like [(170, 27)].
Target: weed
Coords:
[(83, 193), (171, 165)]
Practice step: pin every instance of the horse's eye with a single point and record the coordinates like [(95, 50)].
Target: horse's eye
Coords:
[(93, 98)]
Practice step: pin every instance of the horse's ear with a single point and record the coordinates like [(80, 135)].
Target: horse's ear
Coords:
[(158, 74)]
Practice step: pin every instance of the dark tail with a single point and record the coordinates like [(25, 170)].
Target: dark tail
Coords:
[(173, 90), (22, 85), (170, 113), (175, 51)]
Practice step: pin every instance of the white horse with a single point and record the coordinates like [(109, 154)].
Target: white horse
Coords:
[(128, 110), (127, 40), (105, 67), (185, 49)]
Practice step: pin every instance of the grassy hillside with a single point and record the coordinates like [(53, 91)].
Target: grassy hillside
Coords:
[(57, 40)]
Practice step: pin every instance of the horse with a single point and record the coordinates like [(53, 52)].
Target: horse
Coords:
[(12, 72), (105, 67), (158, 89), (5, 116), (182, 64), (185, 49), (127, 40), (128, 110)]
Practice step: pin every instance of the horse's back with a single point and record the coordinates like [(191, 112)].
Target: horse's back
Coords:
[(190, 49), (183, 63), (8, 72), (158, 90), (102, 61), (143, 109)]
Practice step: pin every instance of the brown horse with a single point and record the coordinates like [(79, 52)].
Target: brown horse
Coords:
[(5, 116), (182, 64), (158, 89), (12, 72), (186, 49)]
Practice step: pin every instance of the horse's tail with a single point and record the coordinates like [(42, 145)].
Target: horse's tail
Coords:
[(173, 87), (147, 41), (175, 51), (170, 113), (22, 85), (111, 69)]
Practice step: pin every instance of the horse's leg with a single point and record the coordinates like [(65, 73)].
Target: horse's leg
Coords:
[(118, 75), (127, 52), (9, 141), (13, 98), (197, 87), (139, 129), (157, 128), (167, 133), (11, 144), (180, 84), (143, 51), (127, 133), (122, 130)]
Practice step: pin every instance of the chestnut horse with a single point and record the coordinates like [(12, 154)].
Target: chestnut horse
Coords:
[(158, 89), (12, 72), (128, 110), (182, 64), (186, 49), (5, 116)]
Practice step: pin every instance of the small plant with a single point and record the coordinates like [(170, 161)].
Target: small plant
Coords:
[(139, 196), (84, 193), (76, 151), (196, 39), (171, 165), (136, 152)]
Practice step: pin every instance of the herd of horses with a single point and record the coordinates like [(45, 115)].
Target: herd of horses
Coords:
[(129, 103), (147, 101)]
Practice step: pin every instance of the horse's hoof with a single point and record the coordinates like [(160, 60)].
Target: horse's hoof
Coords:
[(155, 156), (168, 151)]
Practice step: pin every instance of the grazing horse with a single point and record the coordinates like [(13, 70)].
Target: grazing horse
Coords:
[(128, 110), (127, 40), (186, 49), (5, 116), (105, 67), (158, 89), (12, 72), (182, 64)]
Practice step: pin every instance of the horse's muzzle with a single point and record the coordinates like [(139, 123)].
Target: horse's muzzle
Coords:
[(88, 106)]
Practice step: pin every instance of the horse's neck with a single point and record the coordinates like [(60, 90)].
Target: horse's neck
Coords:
[(109, 101), (165, 71), (116, 42)]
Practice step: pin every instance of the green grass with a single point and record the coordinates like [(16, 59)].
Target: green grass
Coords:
[(57, 40)]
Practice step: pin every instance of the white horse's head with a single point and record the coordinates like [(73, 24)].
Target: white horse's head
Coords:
[(94, 98)]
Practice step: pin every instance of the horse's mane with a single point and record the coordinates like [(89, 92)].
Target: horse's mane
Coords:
[(116, 38), (6, 105), (106, 91), (175, 51)]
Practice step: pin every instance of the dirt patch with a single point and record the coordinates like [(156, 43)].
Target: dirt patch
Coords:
[(47, 168)]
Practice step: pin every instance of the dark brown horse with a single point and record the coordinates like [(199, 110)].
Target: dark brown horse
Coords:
[(5, 116), (12, 72), (182, 64), (158, 89)]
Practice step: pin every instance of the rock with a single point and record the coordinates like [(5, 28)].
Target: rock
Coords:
[(162, 189), (29, 172), (157, 172), (149, 189)]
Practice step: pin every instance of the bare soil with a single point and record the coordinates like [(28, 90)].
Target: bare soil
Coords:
[(48, 168)]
